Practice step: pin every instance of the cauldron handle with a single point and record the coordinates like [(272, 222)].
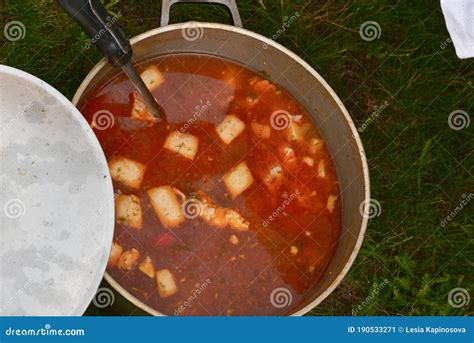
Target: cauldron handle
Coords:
[(230, 4)]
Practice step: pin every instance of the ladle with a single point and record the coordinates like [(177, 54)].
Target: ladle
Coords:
[(104, 31)]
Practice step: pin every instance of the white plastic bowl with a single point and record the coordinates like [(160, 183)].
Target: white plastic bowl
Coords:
[(56, 198)]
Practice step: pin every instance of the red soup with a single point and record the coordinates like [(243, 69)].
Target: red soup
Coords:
[(228, 206)]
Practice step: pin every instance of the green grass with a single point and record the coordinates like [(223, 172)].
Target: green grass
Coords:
[(419, 166)]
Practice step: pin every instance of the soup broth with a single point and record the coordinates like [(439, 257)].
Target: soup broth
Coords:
[(230, 204)]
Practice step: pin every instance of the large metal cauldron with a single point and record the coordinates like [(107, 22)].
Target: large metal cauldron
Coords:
[(303, 82)]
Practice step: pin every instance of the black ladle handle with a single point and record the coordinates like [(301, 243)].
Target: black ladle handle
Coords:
[(102, 29)]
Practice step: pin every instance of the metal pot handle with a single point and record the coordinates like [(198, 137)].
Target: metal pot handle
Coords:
[(230, 4)]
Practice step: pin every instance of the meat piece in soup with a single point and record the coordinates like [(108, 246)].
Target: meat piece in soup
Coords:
[(229, 198)]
